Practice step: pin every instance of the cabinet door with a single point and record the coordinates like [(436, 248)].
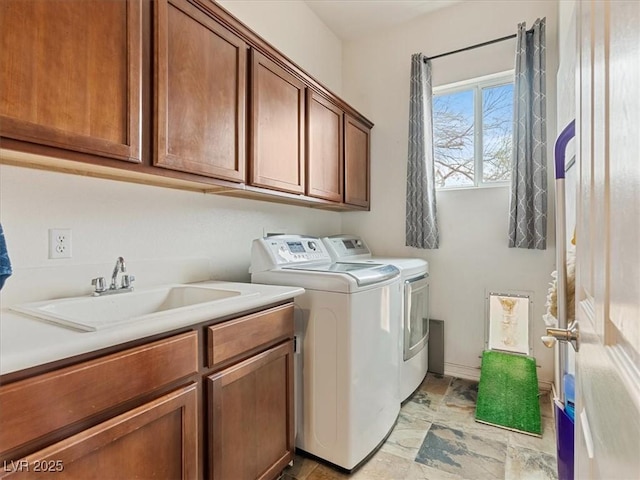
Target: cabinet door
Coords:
[(156, 440), (251, 416), (356, 158), (200, 70), (325, 154), (71, 75), (277, 127)]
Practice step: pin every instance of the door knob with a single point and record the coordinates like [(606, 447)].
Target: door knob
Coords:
[(571, 335)]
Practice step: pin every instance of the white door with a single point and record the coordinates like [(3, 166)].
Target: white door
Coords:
[(608, 240)]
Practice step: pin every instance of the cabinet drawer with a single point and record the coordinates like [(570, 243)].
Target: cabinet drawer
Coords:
[(245, 335), (40, 405)]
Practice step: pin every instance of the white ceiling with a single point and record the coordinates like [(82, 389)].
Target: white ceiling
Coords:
[(349, 19)]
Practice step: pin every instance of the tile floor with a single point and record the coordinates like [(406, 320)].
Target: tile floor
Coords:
[(437, 438)]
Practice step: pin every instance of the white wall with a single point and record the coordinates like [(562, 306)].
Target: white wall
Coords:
[(473, 256), (165, 235), (293, 28)]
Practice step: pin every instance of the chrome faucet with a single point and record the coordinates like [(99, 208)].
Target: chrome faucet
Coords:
[(120, 267), (125, 281)]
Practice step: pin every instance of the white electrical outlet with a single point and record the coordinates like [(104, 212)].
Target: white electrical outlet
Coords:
[(59, 243)]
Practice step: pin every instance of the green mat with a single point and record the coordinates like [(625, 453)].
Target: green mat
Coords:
[(508, 392)]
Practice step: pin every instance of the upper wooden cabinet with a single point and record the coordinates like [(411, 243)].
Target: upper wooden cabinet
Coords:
[(70, 75), (325, 153), (277, 127), (176, 93), (200, 74), (357, 162)]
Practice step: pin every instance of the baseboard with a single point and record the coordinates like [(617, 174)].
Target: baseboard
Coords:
[(545, 386), (462, 371), (473, 373)]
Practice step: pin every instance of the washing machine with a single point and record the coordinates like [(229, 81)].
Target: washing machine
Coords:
[(414, 272), (347, 335)]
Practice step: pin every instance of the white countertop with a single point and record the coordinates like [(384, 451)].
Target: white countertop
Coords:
[(27, 342)]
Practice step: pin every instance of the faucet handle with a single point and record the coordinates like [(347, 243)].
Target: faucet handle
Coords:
[(127, 280), (100, 284)]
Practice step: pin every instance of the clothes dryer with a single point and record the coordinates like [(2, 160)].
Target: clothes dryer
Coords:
[(347, 335), (414, 272)]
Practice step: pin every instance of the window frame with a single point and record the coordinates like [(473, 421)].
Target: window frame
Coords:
[(477, 84)]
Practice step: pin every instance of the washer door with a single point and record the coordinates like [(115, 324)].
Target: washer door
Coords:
[(416, 315)]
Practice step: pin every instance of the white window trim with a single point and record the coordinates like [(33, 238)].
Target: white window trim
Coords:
[(477, 84)]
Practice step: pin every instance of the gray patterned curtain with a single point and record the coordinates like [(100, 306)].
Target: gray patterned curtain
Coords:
[(528, 212), (421, 224)]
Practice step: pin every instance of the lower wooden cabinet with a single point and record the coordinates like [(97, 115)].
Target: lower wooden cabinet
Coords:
[(37, 408), (156, 440), (155, 410), (250, 408)]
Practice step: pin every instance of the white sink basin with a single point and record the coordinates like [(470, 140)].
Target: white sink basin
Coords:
[(96, 313)]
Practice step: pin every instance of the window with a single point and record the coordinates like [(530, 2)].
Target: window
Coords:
[(472, 125)]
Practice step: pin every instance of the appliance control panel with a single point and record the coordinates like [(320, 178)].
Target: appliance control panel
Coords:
[(345, 246), (287, 249)]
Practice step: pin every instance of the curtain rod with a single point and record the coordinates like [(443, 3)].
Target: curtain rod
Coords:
[(478, 45)]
